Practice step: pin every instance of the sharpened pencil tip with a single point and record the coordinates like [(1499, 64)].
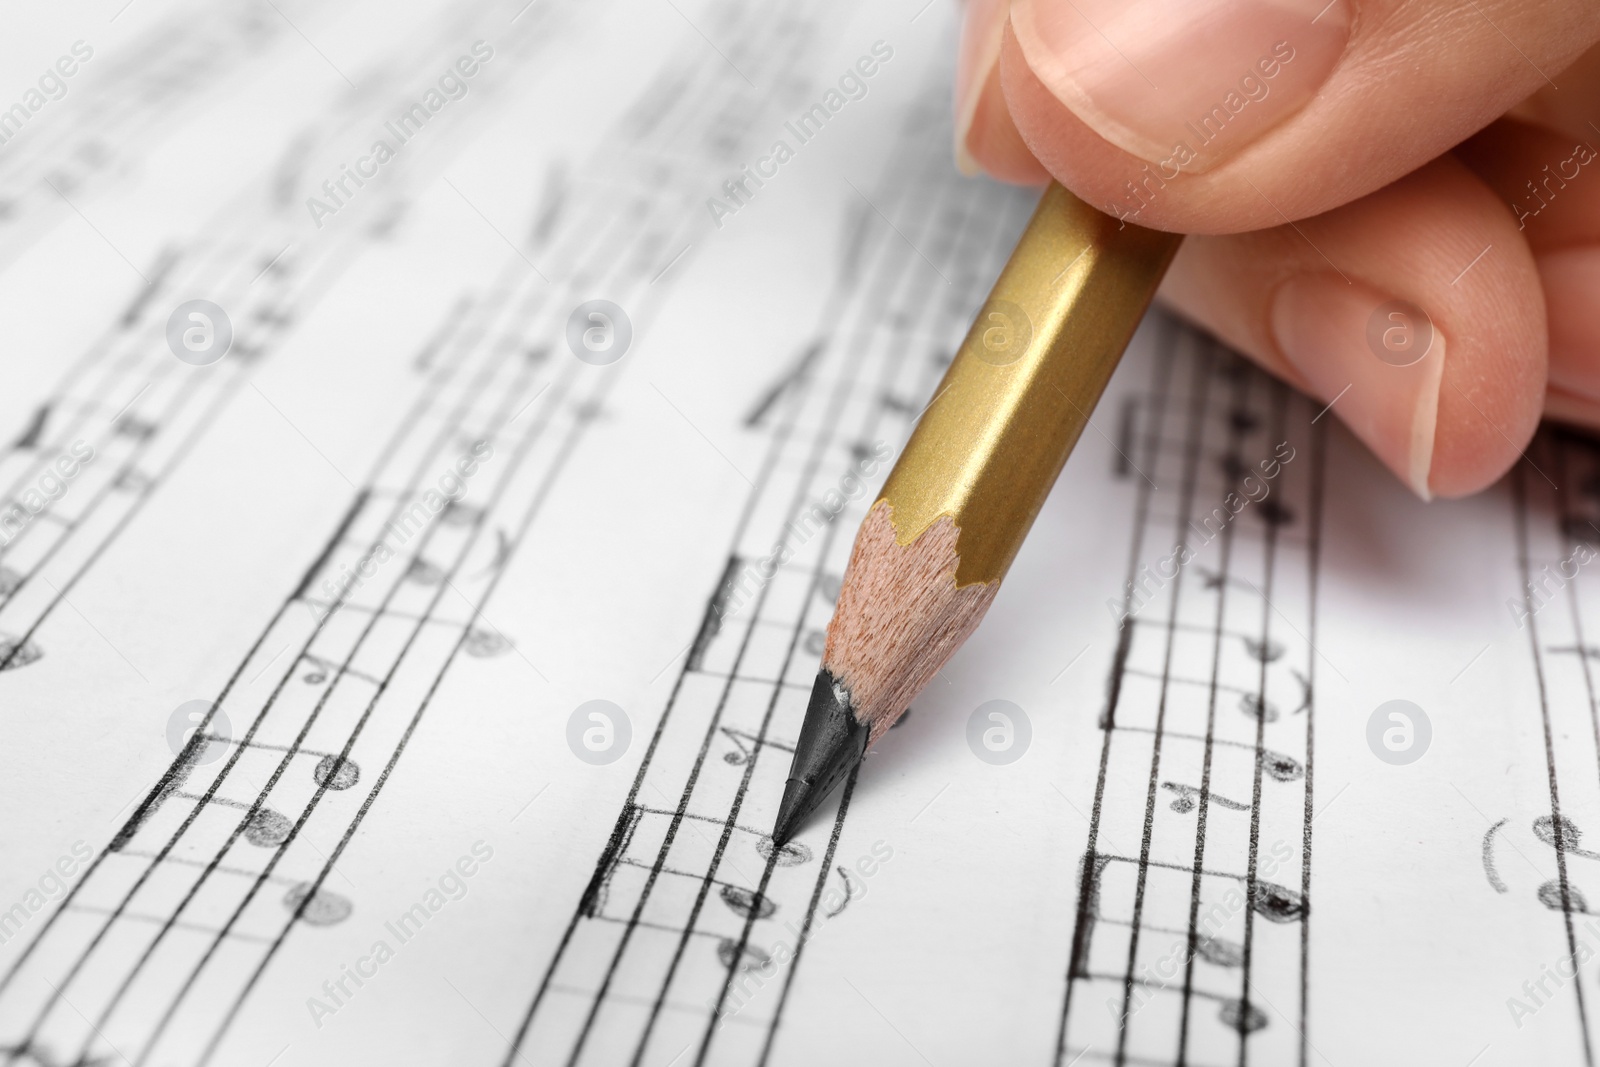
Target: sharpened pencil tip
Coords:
[(792, 811), (831, 743)]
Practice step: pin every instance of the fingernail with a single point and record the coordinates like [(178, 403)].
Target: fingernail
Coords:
[(979, 54), (1377, 361), (1186, 84)]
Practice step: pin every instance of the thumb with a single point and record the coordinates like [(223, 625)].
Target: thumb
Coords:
[(1217, 116)]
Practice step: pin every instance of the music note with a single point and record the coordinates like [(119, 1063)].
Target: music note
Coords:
[(424, 573), (1185, 800), (267, 828), (1277, 903), (132, 426), (1544, 828), (483, 644), (319, 908), (1220, 951), (739, 737), (1550, 897), (1253, 705), (332, 770), (274, 316), (456, 513), (1265, 650), (132, 480), (336, 772), (321, 667), (1245, 1018), (740, 757), (791, 855), (747, 903), (729, 953), (1280, 767), (14, 654)]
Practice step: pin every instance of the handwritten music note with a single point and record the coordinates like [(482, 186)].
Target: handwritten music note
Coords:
[(1243, 1017), (317, 907), (746, 744), (732, 955), (15, 653), (135, 427), (747, 903), (793, 854), (321, 669), (424, 572), (1185, 800), (485, 644)]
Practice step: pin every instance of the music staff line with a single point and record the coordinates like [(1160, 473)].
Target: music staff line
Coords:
[(927, 374), (567, 448), (425, 398), (629, 815), (243, 216), (1267, 763), (360, 724)]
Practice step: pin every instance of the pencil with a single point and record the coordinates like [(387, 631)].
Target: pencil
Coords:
[(934, 546)]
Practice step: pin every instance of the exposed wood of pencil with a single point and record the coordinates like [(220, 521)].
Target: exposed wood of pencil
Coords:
[(900, 617), (980, 462)]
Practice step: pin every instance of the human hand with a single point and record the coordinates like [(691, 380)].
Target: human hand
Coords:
[(1396, 202)]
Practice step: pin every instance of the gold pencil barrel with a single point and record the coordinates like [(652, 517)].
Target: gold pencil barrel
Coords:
[(1024, 382), (930, 554)]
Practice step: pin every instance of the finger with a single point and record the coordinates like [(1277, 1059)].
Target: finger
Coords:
[(1570, 110), (1218, 116), (986, 138), (1316, 303), (1550, 184)]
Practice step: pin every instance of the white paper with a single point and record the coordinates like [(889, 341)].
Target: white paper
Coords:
[(414, 836)]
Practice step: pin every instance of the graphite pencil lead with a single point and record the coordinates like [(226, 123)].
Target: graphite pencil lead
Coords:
[(831, 743)]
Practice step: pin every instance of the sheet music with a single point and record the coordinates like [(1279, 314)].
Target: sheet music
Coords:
[(416, 682)]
